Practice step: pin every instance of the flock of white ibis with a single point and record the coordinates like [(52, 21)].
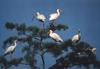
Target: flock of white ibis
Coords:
[(51, 33), (39, 16)]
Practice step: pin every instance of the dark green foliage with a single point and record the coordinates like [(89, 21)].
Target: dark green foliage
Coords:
[(5, 64), (21, 27), (33, 29), (33, 39), (58, 27), (55, 50), (9, 25), (75, 59), (61, 26), (25, 49), (15, 61)]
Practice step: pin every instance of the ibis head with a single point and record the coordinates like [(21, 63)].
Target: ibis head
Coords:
[(50, 31)]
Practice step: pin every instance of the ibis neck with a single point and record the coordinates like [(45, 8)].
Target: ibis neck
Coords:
[(38, 13), (15, 44), (50, 34), (51, 31), (58, 12)]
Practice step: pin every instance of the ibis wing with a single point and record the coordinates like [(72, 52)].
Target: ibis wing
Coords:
[(74, 38), (41, 17), (53, 16), (56, 37), (9, 49)]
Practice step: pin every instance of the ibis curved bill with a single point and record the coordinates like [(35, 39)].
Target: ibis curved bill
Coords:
[(76, 37), (55, 15), (11, 48), (55, 36)]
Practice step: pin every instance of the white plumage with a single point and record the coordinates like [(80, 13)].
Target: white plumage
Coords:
[(76, 37), (94, 51), (10, 49), (40, 17), (54, 16), (55, 36)]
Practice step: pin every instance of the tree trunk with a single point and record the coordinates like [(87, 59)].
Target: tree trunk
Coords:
[(42, 56), (31, 62)]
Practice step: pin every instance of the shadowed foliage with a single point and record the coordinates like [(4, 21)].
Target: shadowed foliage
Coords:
[(33, 40)]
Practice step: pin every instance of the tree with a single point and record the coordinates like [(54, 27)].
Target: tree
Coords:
[(33, 39)]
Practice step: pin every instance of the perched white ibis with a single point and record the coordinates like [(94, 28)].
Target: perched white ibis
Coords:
[(11, 48), (55, 36), (76, 37), (40, 17), (55, 15), (94, 51)]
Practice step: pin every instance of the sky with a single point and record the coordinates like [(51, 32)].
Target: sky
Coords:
[(83, 14)]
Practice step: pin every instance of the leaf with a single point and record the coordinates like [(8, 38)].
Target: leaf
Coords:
[(58, 27), (21, 27), (34, 29), (16, 61), (54, 49), (61, 26), (9, 25), (25, 49)]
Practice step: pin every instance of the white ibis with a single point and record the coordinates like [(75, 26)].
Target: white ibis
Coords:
[(94, 51), (11, 48), (55, 15), (76, 37), (40, 17), (55, 36)]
